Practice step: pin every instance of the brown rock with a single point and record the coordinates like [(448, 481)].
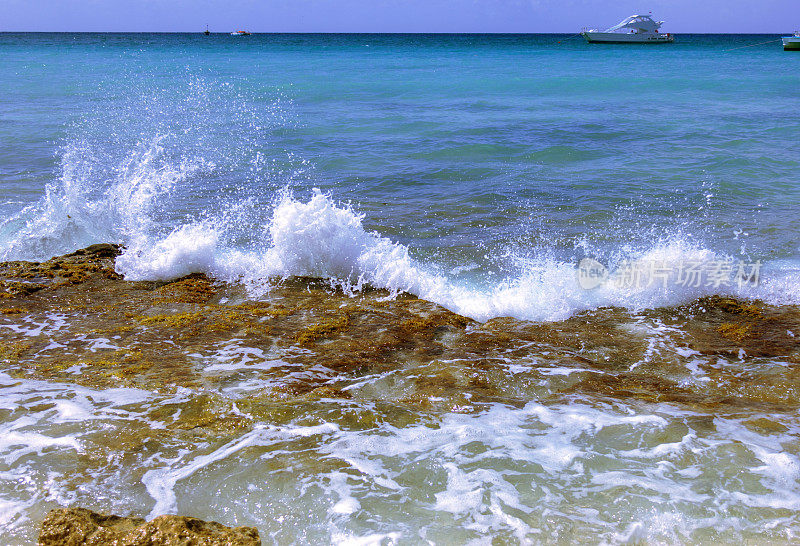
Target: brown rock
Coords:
[(101, 250), (79, 526)]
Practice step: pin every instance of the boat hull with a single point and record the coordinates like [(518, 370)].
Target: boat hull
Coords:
[(791, 43), (617, 38)]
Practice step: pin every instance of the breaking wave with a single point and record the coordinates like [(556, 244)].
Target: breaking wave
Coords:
[(321, 238), (318, 238), (157, 192), (75, 212)]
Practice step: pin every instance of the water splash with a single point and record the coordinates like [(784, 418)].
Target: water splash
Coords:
[(133, 170), (199, 190), (319, 238)]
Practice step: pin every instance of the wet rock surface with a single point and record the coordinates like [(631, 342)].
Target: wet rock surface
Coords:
[(73, 319), (79, 526)]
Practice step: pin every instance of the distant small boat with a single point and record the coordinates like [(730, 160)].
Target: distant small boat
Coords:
[(240, 33), (206, 31), (636, 29), (792, 43)]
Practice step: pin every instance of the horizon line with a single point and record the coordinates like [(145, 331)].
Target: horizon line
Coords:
[(225, 32)]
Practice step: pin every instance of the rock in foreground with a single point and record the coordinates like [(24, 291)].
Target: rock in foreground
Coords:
[(79, 526)]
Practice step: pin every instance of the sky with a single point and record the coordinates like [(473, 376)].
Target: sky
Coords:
[(699, 16)]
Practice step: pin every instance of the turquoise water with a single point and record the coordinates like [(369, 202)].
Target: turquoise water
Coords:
[(490, 159)]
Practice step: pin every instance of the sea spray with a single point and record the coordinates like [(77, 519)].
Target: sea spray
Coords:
[(319, 238), (312, 239), (181, 199), (132, 170), (85, 206)]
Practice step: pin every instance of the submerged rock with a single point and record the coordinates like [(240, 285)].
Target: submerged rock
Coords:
[(77, 526)]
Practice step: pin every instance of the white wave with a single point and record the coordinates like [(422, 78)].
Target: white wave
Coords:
[(127, 172), (87, 204), (314, 239), (188, 249), (319, 238)]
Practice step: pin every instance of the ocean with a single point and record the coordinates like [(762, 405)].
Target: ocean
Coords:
[(598, 211)]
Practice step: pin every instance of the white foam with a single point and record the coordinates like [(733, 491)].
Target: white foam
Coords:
[(374, 539), (161, 482), (74, 213), (187, 249), (319, 238), (25, 443), (519, 472), (232, 356)]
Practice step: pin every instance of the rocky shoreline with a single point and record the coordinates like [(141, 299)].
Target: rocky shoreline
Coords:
[(74, 319), (205, 364)]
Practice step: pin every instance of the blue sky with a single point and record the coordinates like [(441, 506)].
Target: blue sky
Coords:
[(767, 16)]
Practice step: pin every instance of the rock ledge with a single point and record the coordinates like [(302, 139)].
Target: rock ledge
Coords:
[(79, 526)]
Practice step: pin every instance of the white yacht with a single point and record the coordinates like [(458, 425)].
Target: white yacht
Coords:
[(636, 29), (792, 43)]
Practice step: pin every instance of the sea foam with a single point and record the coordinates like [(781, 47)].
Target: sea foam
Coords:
[(319, 238)]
